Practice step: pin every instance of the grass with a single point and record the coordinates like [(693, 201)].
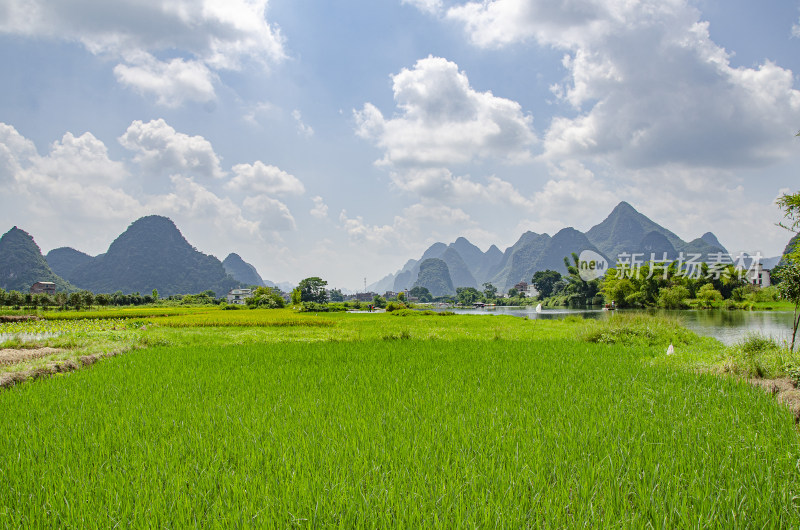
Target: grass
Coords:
[(639, 329), (758, 356), (274, 418), (411, 434)]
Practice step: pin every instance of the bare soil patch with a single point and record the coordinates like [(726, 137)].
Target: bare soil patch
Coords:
[(9, 379), (784, 391), (18, 318), (9, 356)]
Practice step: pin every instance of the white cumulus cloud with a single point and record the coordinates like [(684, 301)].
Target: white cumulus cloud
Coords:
[(419, 224), (273, 213), (302, 128), (320, 209), (172, 82), (76, 185), (442, 120), (648, 84), (169, 49), (161, 149), (260, 178), (428, 6)]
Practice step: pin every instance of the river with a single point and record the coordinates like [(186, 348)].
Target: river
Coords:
[(726, 326)]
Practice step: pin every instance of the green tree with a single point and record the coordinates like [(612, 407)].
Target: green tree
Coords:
[(379, 301), (582, 292), (266, 297), (673, 297), (88, 298), (313, 290), (616, 289), (513, 293), (790, 204), (789, 272), (44, 300), (15, 298), (155, 295), (707, 295), (61, 300), (789, 288), (103, 299), (545, 281), (336, 295), (401, 296), (75, 301), (421, 293), (297, 296), (467, 295), (489, 291)]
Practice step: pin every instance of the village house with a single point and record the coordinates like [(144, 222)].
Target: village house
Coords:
[(43, 288), (366, 297), (527, 289), (239, 296), (758, 275)]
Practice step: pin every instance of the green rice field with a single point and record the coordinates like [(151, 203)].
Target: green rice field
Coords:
[(380, 421)]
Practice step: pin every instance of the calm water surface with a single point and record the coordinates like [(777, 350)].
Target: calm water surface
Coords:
[(726, 326)]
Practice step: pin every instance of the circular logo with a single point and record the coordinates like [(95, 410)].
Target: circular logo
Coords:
[(591, 265)]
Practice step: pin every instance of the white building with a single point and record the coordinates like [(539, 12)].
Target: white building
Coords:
[(239, 296), (527, 289), (531, 291), (758, 275)]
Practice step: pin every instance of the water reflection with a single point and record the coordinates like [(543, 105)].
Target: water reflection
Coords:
[(26, 336), (726, 326)]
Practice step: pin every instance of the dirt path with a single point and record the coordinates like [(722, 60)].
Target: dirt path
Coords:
[(17, 356)]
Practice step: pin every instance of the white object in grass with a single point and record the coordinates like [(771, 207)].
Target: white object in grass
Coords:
[(671, 349)]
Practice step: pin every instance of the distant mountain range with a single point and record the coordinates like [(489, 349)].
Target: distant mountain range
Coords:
[(624, 230), (151, 254)]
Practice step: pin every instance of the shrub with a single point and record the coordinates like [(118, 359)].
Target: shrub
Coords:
[(637, 329), (673, 297), (394, 306), (756, 356)]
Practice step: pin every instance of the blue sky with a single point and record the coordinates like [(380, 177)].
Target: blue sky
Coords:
[(341, 138)]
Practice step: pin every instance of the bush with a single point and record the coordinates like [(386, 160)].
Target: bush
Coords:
[(707, 295), (756, 356), (673, 297), (394, 306), (767, 294), (406, 312), (637, 329)]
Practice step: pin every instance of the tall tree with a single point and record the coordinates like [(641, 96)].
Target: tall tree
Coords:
[(545, 281), (467, 295), (789, 288), (421, 293), (489, 291), (313, 290), (789, 274)]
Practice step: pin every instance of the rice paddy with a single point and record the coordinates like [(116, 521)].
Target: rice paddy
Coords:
[(377, 421)]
